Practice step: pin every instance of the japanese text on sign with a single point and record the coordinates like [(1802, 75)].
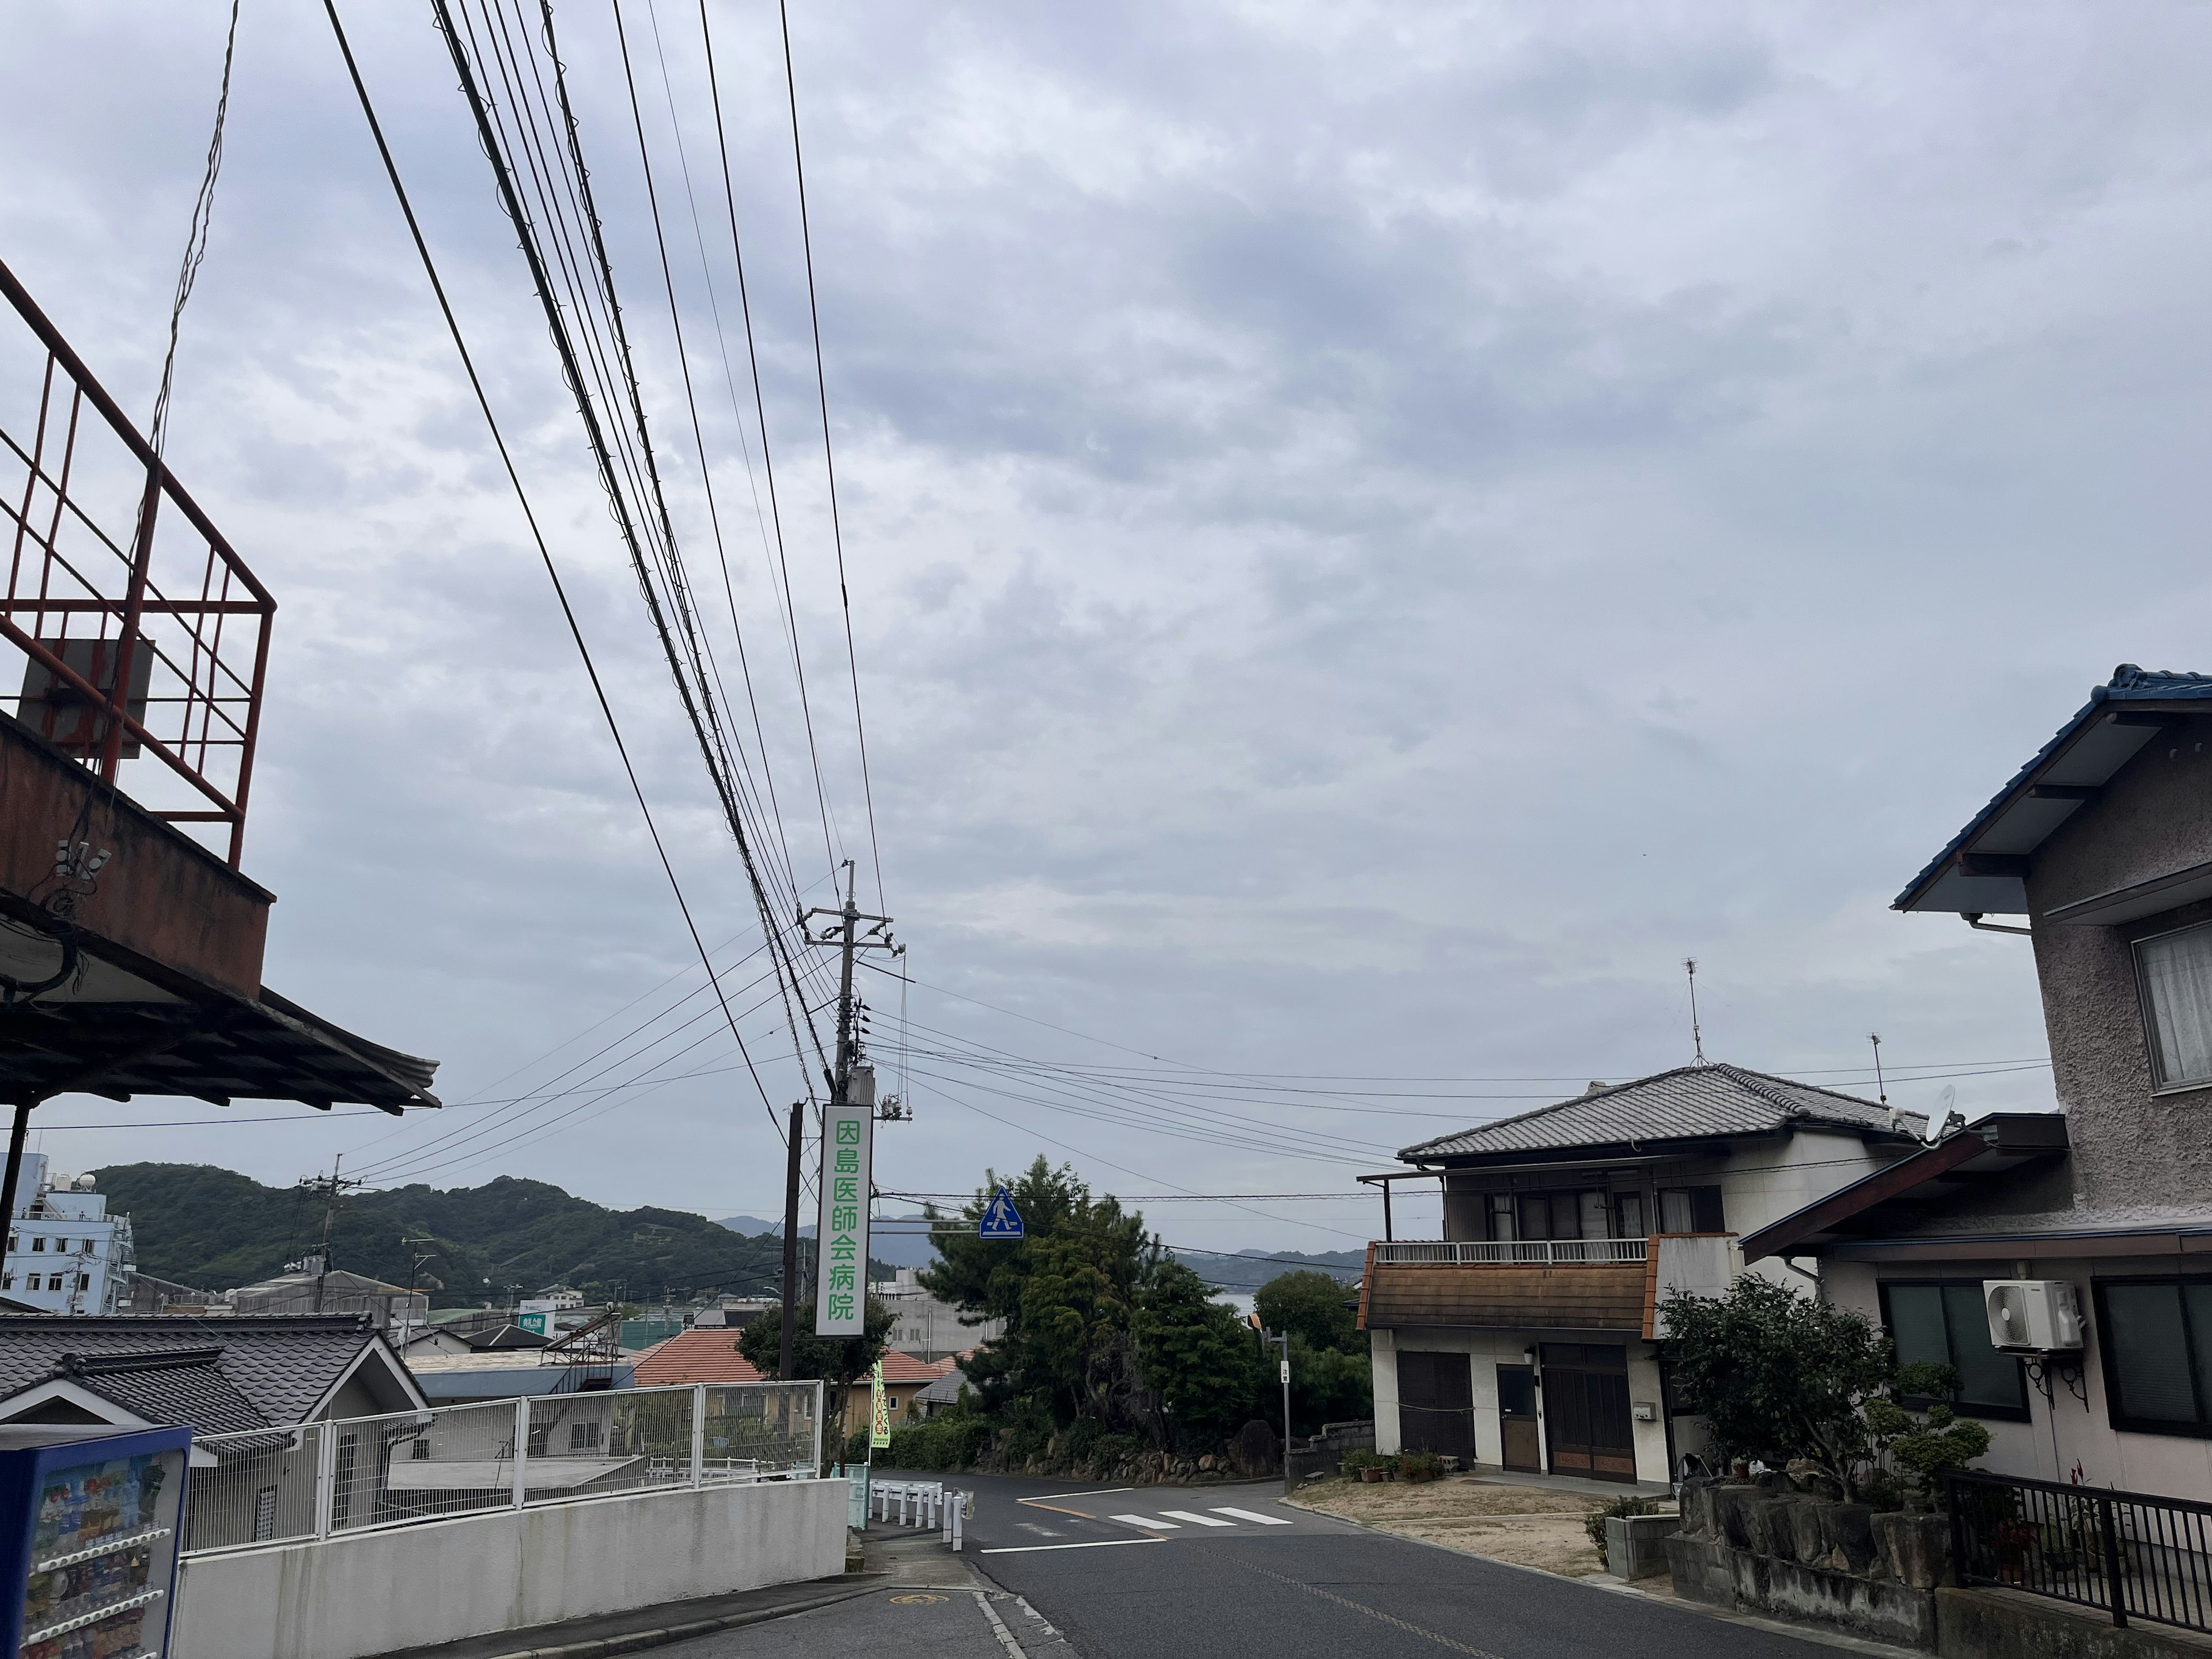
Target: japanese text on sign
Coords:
[(841, 1299)]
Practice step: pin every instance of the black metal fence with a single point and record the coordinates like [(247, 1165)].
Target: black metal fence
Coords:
[(2126, 1553)]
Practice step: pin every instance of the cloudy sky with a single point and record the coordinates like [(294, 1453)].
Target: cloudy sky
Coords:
[(1373, 532)]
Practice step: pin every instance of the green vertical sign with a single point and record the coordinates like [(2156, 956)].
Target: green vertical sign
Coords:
[(840, 1276)]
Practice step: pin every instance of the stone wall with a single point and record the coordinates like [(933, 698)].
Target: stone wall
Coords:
[(1770, 1549)]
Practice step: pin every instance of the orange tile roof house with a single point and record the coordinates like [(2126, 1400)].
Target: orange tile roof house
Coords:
[(696, 1356)]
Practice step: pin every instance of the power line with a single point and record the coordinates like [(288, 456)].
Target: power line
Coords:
[(522, 495), (829, 461)]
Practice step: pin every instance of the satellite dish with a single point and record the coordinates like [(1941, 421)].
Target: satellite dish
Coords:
[(1940, 1119)]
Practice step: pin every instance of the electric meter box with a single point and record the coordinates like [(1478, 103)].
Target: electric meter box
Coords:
[(2032, 1315)]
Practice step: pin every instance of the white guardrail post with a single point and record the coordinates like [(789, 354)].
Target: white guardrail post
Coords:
[(698, 1435), (521, 1447)]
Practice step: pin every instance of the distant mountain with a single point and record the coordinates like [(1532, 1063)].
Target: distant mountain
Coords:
[(890, 1248), (1247, 1270), (215, 1229)]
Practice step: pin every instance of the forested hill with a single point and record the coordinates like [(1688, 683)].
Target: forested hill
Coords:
[(215, 1229), (1247, 1270)]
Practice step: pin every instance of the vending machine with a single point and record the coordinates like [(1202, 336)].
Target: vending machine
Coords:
[(88, 1536)]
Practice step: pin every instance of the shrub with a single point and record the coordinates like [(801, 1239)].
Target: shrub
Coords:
[(1360, 1458), (1594, 1523), (1417, 1465)]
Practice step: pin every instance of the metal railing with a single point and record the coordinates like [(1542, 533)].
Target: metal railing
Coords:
[(1530, 1252), (353, 1474), (142, 630), (2126, 1553), (922, 1503)]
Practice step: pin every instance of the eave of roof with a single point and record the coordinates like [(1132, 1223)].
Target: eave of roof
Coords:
[(2001, 1140), (2086, 752)]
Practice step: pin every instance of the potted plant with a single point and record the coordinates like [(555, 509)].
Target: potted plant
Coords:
[(1418, 1467), (1361, 1464)]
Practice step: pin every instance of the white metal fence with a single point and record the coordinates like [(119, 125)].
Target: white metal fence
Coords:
[(1533, 1252), (926, 1504), (324, 1478)]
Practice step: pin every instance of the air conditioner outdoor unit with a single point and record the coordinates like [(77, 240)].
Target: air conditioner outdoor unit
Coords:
[(2032, 1316)]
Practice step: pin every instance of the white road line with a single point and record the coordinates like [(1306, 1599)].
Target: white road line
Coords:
[(1095, 1543), (1248, 1515), (1145, 1521), (1096, 1492), (1195, 1518)]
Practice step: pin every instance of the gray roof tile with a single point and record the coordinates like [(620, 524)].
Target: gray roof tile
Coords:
[(1687, 1103), (280, 1367)]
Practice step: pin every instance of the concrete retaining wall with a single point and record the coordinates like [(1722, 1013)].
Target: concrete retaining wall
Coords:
[(1790, 1555), (378, 1592), (1996, 1623)]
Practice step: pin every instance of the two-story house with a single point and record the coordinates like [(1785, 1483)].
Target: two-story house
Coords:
[(2103, 843), (1526, 1337)]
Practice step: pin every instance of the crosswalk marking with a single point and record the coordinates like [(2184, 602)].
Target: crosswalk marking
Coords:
[(1147, 1522), (1245, 1515), (1196, 1519)]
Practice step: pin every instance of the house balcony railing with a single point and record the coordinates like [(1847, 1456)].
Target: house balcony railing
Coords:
[(1530, 1252)]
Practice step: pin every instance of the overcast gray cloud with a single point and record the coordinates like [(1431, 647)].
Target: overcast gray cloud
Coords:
[(1374, 532)]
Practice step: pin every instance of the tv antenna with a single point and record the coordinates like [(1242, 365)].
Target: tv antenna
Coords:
[(1696, 1036)]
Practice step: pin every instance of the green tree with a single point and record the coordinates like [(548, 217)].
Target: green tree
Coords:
[(1198, 1360), (1778, 1376), (1311, 1304), (1328, 1385), (1068, 1291), (1925, 1445)]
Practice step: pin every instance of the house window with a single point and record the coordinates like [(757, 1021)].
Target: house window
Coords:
[(84, 1281), (2175, 972), (1501, 1216), (38, 1244), (53, 1281), (1938, 1323), (2156, 1351), (1562, 1215), (6, 1281), (1690, 1210), (1629, 1208)]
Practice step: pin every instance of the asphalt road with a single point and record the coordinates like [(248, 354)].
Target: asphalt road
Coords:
[(1160, 1572)]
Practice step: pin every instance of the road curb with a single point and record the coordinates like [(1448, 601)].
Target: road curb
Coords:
[(637, 1641)]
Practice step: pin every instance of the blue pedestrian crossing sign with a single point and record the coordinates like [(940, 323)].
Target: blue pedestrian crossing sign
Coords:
[(1000, 1218)]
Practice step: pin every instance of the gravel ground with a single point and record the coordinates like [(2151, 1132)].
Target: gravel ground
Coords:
[(1528, 1526)]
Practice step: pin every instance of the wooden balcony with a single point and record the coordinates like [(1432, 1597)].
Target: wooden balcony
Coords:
[(1537, 1285)]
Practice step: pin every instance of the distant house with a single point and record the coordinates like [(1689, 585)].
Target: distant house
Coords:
[(921, 1324), (1526, 1337), (2102, 844), (65, 1254), (314, 1288), (695, 1356), (218, 1376)]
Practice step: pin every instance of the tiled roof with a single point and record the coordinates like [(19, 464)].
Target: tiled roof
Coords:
[(281, 1367), (904, 1369), (2129, 685), (696, 1356), (169, 1386), (1691, 1102)]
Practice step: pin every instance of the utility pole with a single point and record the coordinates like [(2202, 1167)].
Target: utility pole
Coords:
[(332, 1185), (1272, 1339), (784, 1353)]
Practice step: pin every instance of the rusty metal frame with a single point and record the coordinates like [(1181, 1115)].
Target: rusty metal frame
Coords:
[(227, 589)]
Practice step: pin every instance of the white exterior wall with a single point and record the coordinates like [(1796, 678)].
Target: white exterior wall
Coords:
[(440, 1581), (1487, 1350), (65, 1234), (1766, 1181), (2063, 1432)]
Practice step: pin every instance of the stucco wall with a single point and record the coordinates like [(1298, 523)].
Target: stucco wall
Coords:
[(2063, 1431), (378, 1592), (1486, 1352), (2133, 1152)]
